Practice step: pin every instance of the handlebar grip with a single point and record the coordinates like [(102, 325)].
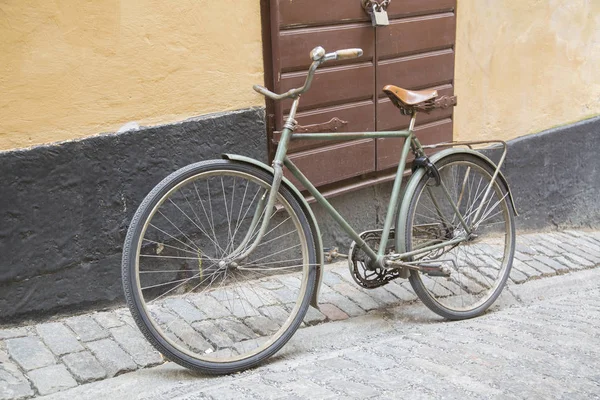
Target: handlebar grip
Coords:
[(264, 91), (347, 54)]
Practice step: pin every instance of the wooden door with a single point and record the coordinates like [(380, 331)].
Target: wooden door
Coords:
[(416, 51)]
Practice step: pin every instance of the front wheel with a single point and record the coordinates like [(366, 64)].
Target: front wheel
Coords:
[(475, 270), (189, 293)]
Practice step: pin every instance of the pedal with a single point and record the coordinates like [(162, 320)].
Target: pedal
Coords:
[(333, 254), (435, 270)]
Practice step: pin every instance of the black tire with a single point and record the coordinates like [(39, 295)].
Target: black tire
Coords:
[(163, 252), (478, 268)]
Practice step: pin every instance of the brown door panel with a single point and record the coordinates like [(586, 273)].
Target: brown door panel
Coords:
[(414, 72), (359, 117), (296, 44), (418, 34), (389, 149), (334, 163), (331, 86), (318, 12), (406, 8), (389, 117)]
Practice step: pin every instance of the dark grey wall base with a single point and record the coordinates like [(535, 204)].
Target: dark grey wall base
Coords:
[(555, 177), (65, 209)]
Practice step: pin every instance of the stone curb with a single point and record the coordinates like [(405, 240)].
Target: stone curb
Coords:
[(48, 357)]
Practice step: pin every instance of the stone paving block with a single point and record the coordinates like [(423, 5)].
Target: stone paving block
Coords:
[(247, 346), (241, 308), (214, 334), (361, 298), (257, 296), (579, 260), (278, 377), (588, 244), (236, 330), (314, 316), (517, 276), (58, 338), (593, 236), (543, 268), (52, 379), (400, 289), (84, 367), (383, 296), (285, 295), (13, 384), (338, 363), (373, 361), (522, 256), (262, 391), (132, 341), (569, 264), (262, 325), (574, 233), (221, 393), (548, 249), (112, 357), (189, 336), (452, 376), (571, 246), (524, 249), (526, 269), (308, 390), (86, 328), (185, 310), (210, 306), (341, 269), (29, 353), (126, 317), (275, 313), (290, 281), (13, 333), (343, 303), (332, 312), (552, 263), (330, 278), (352, 390), (108, 319), (271, 284)]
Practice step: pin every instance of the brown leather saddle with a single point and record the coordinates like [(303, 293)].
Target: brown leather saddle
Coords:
[(409, 101)]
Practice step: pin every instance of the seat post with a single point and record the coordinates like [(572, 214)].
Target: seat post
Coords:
[(414, 142), (413, 118)]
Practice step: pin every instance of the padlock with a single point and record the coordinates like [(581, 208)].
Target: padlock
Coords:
[(379, 16)]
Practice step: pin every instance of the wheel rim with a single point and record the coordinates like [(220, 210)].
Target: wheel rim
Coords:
[(479, 267), (212, 307)]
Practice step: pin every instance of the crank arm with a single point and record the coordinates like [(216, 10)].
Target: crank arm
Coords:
[(431, 269)]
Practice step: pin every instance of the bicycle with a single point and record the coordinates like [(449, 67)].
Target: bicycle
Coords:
[(224, 257)]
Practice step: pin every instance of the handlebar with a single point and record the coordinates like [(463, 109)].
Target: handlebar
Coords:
[(318, 56)]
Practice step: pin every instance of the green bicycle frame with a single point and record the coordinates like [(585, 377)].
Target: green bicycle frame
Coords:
[(281, 159)]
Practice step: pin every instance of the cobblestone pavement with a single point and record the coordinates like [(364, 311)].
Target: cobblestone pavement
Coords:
[(59, 355)]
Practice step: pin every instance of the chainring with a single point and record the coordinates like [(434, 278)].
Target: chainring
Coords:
[(362, 268)]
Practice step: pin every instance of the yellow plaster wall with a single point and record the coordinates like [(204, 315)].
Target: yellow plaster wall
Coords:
[(525, 66), (74, 68)]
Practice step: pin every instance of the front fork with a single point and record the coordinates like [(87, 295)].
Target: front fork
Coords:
[(242, 251)]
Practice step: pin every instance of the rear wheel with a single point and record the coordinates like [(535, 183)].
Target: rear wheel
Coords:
[(192, 298), (478, 267)]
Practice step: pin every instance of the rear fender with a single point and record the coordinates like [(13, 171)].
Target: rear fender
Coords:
[(307, 210)]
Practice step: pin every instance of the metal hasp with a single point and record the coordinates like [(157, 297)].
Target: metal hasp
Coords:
[(377, 11)]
